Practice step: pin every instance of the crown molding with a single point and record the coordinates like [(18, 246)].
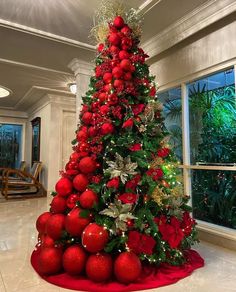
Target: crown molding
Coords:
[(199, 18), (80, 67), (45, 34), (21, 64), (11, 113), (147, 5)]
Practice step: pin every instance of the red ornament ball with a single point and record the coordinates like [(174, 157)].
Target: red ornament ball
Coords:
[(125, 64), (104, 109), (107, 77), (118, 22), (71, 200), (102, 96), (55, 226), (126, 30), (80, 182), (64, 187), (87, 118), (81, 136), (88, 199), (107, 128), (92, 131), (74, 156), (47, 241), (118, 83), (94, 237), (117, 72), (127, 76), (123, 55), (114, 39), (58, 204), (42, 221), (74, 259), (99, 267), (87, 165), (75, 224), (127, 267), (50, 261), (114, 50)]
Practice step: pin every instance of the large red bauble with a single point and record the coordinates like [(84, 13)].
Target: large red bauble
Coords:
[(42, 221), (71, 200), (102, 96), (88, 199), (107, 77), (87, 165), (74, 259), (127, 76), (92, 131), (118, 22), (118, 83), (114, 50), (107, 87), (50, 261), (94, 237), (123, 55), (114, 39), (64, 186), (81, 136), (104, 109), (55, 226), (75, 224), (47, 241), (99, 267), (125, 64), (107, 128), (126, 30), (75, 156), (117, 72), (127, 267), (58, 204), (87, 118), (80, 182)]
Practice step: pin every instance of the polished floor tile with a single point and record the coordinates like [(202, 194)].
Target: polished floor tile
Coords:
[(18, 237)]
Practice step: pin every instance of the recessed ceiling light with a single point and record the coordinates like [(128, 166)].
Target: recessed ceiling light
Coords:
[(4, 91)]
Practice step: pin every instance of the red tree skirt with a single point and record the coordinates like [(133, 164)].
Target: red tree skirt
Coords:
[(152, 277)]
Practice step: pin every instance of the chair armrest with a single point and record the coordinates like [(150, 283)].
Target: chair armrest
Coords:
[(19, 174)]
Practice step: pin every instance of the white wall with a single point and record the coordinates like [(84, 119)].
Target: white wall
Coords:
[(208, 48)]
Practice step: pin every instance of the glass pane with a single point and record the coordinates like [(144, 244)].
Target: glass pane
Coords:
[(212, 118), (214, 196), (10, 145), (172, 112)]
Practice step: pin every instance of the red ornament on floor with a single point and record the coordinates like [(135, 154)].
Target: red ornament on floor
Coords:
[(99, 267), (50, 260), (127, 267), (94, 237), (74, 259)]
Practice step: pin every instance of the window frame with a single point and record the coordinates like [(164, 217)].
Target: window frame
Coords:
[(186, 166)]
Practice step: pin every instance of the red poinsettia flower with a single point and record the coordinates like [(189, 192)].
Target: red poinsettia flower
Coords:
[(187, 223), (163, 152), (128, 123), (171, 232), (136, 147), (141, 243), (138, 108), (113, 183), (128, 198), (132, 184), (155, 174)]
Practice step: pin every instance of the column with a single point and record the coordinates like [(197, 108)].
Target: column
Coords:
[(83, 72)]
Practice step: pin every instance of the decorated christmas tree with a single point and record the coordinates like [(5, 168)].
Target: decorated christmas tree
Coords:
[(119, 205)]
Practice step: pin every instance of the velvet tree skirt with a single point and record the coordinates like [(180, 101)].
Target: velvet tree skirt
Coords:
[(152, 277)]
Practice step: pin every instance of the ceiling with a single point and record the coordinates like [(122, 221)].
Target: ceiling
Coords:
[(40, 38)]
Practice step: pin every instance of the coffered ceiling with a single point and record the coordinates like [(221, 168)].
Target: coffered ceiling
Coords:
[(39, 39)]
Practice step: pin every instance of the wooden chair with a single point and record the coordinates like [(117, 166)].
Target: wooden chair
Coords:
[(4, 169), (23, 184)]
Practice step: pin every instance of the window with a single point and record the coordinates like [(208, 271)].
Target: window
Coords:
[(10, 145), (206, 131)]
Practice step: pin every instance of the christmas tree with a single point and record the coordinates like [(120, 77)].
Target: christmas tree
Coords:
[(119, 204)]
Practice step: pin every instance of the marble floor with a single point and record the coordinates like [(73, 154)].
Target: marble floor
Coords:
[(18, 237)]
